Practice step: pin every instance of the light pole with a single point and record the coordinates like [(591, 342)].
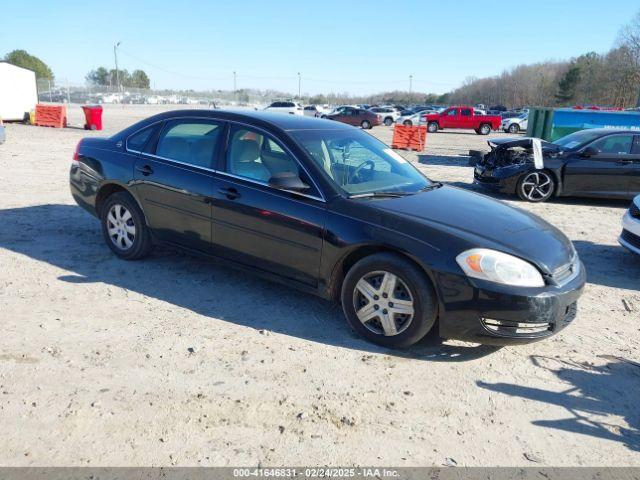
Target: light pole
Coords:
[(410, 82), (299, 85), (115, 56)]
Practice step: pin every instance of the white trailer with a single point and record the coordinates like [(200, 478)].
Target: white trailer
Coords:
[(18, 92)]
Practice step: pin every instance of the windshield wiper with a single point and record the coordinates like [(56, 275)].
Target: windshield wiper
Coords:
[(380, 195)]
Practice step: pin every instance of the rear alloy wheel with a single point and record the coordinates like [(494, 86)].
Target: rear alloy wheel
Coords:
[(432, 127), (124, 228), (407, 123), (536, 186), (388, 121), (366, 124), (388, 300), (485, 129), (514, 128)]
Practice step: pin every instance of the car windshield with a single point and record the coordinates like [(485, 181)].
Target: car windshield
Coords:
[(359, 164), (577, 139)]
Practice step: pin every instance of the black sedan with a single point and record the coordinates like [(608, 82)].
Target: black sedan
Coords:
[(327, 208), (590, 163)]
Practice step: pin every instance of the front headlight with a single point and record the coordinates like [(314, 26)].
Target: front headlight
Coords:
[(499, 267)]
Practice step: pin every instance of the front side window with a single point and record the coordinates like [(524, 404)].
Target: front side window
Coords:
[(189, 141), (357, 163), (614, 145), (255, 156), (452, 112)]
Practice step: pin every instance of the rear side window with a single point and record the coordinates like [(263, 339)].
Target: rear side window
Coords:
[(465, 112), (138, 140), (189, 141)]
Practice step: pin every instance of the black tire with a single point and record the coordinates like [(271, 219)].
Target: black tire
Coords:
[(388, 121), (141, 241), (421, 292), (545, 190), (407, 123), (366, 124), (485, 129), (433, 127), (514, 128)]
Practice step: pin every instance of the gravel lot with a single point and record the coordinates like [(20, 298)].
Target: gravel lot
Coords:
[(176, 361)]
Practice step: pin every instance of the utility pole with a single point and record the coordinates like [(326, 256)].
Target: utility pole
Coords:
[(115, 56), (299, 85), (234, 85), (410, 82)]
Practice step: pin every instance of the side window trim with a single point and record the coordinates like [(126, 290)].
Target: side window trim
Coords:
[(225, 151)]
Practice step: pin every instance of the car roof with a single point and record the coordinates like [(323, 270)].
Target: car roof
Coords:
[(605, 131), (259, 118)]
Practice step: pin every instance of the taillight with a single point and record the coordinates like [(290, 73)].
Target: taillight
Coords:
[(76, 153)]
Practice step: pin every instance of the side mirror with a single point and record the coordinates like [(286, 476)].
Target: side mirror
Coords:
[(589, 152), (288, 181)]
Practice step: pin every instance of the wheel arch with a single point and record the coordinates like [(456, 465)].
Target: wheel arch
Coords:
[(358, 253), (108, 189)]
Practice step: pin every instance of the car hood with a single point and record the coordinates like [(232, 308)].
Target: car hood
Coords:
[(524, 142), (486, 223)]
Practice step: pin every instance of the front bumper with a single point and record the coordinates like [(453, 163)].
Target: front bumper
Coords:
[(494, 314), (503, 180), (630, 236)]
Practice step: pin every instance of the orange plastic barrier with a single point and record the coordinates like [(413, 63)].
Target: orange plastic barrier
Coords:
[(412, 137), (51, 116)]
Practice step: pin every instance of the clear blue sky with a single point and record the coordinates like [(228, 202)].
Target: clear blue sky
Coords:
[(337, 45)]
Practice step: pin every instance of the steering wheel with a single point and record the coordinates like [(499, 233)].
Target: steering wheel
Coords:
[(356, 172)]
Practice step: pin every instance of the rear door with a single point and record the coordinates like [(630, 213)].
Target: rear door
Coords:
[(609, 172), (175, 181), (351, 116), (254, 224), (466, 118)]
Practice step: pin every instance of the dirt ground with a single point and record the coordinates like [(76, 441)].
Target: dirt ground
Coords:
[(176, 361)]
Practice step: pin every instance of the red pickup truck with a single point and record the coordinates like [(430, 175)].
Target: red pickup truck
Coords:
[(462, 117)]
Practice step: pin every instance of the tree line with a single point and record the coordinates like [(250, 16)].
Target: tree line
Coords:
[(607, 79)]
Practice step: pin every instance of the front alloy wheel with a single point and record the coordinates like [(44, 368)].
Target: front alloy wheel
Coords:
[(536, 186), (389, 300), (383, 303)]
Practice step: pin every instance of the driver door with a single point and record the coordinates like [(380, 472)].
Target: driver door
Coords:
[(450, 118), (259, 226)]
